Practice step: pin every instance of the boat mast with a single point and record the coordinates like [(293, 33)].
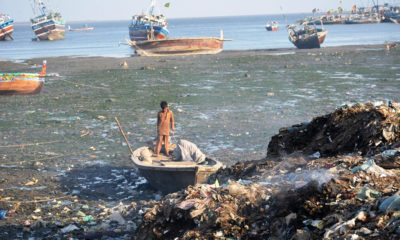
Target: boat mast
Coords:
[(150, 11), (38, 5)]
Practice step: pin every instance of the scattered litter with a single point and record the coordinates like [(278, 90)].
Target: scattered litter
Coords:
[(69, 228)]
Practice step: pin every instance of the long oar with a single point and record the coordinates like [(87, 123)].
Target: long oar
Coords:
[(123, 134)]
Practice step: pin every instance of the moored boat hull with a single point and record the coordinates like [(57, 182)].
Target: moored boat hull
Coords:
[(143, 33), (321, 36), (169, 181), (171, 176), (49, 30), (307, 43), (22, 84), (178, 46), (271, 28), (6, 30)]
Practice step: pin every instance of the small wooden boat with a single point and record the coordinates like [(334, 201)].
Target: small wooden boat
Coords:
[(271, 26), (6, 27), (22, 83), (86, 28), (167, 175), (178, 46)]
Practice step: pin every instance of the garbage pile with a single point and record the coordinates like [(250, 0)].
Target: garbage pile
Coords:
[(362, 127), (298, 195), (339, 197)]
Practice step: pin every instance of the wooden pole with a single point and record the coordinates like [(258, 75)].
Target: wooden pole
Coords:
[(123, 134)]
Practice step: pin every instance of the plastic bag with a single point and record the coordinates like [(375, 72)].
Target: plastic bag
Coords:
[(390, 203)]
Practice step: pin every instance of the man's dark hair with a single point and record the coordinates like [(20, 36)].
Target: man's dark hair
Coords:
[(163, 104)]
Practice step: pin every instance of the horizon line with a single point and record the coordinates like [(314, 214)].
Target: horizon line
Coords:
[(120, 20)]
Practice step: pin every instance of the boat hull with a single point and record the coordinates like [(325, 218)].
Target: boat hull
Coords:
[(171, 176), (178, 46), (321, 36), (20, 84), (143, 32), (6, 30), (271, 28), (49, 30), (307, 43)]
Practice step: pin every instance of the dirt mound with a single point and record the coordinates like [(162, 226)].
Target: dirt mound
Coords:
[(361, 128)]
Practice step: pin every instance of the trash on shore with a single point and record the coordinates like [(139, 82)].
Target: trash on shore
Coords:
[(313, 185), (364, 128), (343, 193)]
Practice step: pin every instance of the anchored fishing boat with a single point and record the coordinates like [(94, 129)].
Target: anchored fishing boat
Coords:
[(168, 175), (306, 37), (86, 28), (149, 26), (6, 27), (23, 83), (179, 46), (47, 25), (271, 26)]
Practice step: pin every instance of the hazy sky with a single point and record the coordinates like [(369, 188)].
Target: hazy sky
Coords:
[(84, 10)]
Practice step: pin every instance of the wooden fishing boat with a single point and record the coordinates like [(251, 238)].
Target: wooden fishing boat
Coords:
[(306, 37), (149, 26), (179, 46), (86, 28), (47, 25), (22, 83), (167, 175), (271, 26), (6, 27)]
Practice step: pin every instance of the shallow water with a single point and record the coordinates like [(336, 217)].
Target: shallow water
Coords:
[(247, 32)]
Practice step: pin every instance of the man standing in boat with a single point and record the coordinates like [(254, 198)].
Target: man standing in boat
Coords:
[(165, 119)]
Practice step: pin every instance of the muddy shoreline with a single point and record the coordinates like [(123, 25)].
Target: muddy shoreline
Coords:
[(80, 64), (61, 152)]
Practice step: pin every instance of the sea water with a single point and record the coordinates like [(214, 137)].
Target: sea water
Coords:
[(246, 32)]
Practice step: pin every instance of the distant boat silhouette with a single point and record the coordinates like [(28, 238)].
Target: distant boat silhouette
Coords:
[(86, 28)]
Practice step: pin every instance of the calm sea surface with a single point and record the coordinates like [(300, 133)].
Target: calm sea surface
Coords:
[(247, 32)]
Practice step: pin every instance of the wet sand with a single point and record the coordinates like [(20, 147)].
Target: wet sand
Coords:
[(64, 146)]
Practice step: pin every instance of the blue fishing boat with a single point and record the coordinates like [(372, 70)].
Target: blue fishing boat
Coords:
[(47, 25), (149, 26)]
